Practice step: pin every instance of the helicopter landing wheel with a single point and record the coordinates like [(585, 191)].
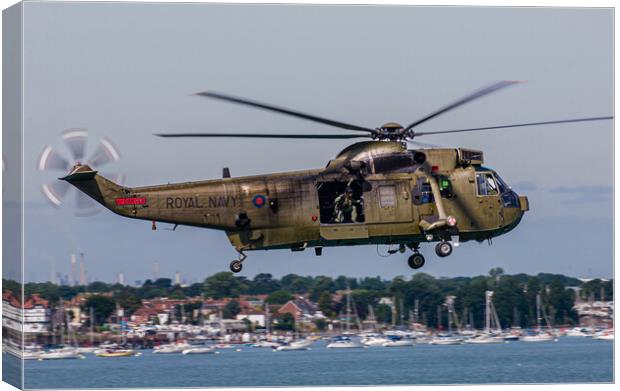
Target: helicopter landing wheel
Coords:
[(416, 261), (443, 249), (236, 266)]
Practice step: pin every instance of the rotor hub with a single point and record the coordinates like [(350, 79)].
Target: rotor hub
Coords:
[(392, 131)]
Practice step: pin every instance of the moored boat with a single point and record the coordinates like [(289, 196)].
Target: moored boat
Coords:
[(344, 343), (484, 339), (398, 342), (60, 354), (199, 350), (445, 341), (117, 353), (303, 344)]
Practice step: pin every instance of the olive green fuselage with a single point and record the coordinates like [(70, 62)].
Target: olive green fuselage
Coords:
[(284, 210)]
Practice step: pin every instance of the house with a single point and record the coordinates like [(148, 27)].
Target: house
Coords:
[(33, 316), (162, 309), (302, 310), (257, 318)]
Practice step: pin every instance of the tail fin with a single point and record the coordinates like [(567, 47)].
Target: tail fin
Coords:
[(95, 186)]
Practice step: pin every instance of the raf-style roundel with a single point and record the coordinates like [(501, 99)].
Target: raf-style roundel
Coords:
[(259, 201)]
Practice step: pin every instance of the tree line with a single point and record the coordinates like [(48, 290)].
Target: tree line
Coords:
[(421, 294)]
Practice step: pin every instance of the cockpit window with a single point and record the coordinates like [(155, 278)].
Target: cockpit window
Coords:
[(503, 187), (486, 184)]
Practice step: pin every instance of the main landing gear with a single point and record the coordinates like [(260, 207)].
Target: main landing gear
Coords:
[(237, 264), (443, 249), (416, 261)]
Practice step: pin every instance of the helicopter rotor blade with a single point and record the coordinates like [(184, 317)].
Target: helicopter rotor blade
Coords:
[(52, 160), (468, 98), (55, 192), (263, 135), (422, 145), (563, 121), (76, 141), (281, 110), (105, 153)]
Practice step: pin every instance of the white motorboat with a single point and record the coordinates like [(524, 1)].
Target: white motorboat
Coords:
[(60, 354), (199, 350), (510, 337), (344, 343), (485, 339), (604, 336), (266, 344), (577, 332), (303, 344), (375, 341), (172, 348), (445, 341), (87, 349), (538, 337), (396, 343)]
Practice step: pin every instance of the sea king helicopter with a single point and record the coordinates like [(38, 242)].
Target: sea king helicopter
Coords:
[(373, 192)]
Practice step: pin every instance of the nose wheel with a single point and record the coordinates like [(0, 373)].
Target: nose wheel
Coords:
[(237, 265), (416, 261)]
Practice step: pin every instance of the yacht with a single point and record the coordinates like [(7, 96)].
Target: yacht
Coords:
[(485, 339), (577, 332), (60, 354), (374, 340), (445, 340), (171, 348), (266, 344), (344, 343), (398, 342), (199, 350), (302, 344), (539, 335), (605, 335)]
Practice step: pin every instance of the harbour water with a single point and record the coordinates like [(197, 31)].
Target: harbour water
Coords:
[(570, 360)]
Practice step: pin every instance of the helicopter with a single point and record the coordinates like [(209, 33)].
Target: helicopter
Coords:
[(376, 191)]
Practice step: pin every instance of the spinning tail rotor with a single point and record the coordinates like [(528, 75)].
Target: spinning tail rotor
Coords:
[(57, 192)]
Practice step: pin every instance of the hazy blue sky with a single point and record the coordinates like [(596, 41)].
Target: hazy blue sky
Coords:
[(126, 71)]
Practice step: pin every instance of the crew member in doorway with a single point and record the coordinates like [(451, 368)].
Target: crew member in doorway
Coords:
[(345, 207)]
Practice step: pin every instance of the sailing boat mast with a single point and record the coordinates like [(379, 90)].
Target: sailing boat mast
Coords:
[(538, 320), (92, 325), (348, 326)]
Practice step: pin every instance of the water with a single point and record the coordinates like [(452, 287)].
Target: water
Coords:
[(569, 360)]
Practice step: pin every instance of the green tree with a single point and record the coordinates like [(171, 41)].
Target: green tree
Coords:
[(223, 284), (231, 309), (285, 322), (264, 283), (279, 297), (383, 313), (321, 284), (561, 302), (326, 305), (362, 299), (128, 301), (102, 307), (321, 324)]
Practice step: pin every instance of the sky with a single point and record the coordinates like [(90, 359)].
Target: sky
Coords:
[(126, 71)]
